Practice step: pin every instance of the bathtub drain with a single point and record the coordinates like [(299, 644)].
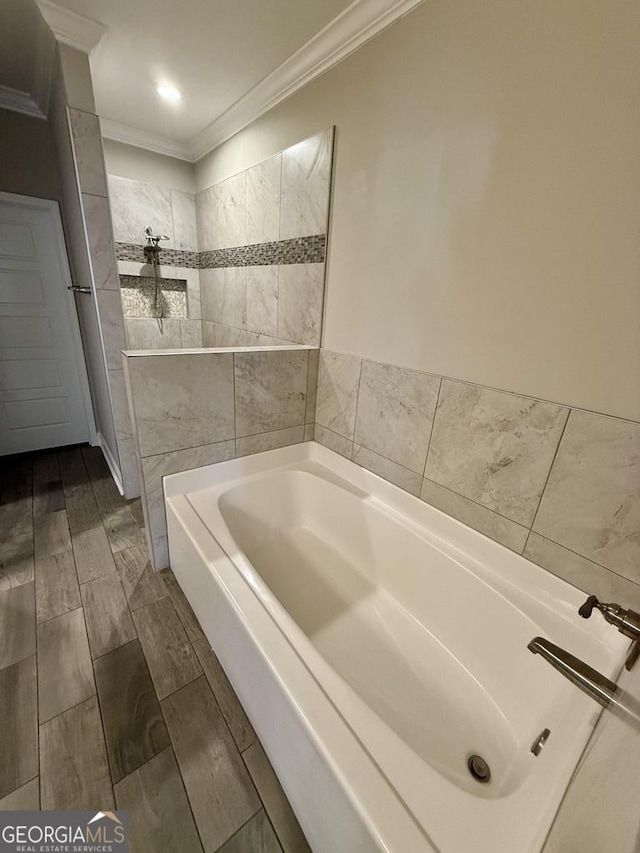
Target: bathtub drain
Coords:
[(479, 768)]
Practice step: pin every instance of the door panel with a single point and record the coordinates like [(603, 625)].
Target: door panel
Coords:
[(42, 386)]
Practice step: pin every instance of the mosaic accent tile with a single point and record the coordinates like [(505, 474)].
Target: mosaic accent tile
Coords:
[(138, 296), (300, 250), (168, 257)]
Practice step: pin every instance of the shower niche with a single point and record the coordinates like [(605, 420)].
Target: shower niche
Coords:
[(156, 315), (242, 262)]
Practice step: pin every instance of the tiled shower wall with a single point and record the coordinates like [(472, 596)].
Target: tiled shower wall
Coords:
[(193, 409), (87, 148), (559, 485), (134, 205), (262, 237)]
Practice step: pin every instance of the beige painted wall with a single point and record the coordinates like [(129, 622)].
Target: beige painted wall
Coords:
[(486, 204), (126, 161)]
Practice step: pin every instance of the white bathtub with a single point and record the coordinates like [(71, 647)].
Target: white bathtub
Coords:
[(376, 644)]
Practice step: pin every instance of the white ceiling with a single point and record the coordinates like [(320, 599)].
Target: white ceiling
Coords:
[(214, 51)]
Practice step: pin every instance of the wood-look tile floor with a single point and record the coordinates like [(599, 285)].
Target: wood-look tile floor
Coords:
[(110, 696)]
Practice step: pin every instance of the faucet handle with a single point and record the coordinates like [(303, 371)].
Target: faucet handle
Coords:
[(588, 607)]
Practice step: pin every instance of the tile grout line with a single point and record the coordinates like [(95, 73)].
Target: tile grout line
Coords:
[(433, 424), (548, 477)]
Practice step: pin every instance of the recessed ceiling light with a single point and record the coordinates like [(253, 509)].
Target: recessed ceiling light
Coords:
[(169, 93)]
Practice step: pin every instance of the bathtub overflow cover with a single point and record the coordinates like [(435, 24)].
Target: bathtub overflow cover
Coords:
[(479, 768)]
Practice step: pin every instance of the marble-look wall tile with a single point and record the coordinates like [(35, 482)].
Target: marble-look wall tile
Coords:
[(130, 468), (494, 448), (301, 295), (309, 432), (229, 216), (474, 515), (591, 578), (337, 443), (191, 333), (121, 416), (396, 408), (262, 300), (223, 295), (269, 440), (306, 178), (112, 326), (338, 380), (263, 200), (147, 333), (87, 147), (194, 308), (312, 386), (134, 205), (270, 390), (185, 232), (101, 248), (154, 468), (591, 504), (206, 218), (387, 469), (160, 553), (182, 401)]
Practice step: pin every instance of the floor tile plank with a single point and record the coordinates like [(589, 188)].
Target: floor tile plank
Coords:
[(47, 486), (275, 802), (219, 787), (65, 674), (170, 656), (16, 543), (256, 836), (51, 534), (57, 588), (232, 710), (141, 584), (109, 623), (159, 815), (17, 624), (25, 798), (74, 772), (18, 725), (183, 608), (104, 488), (93, 554), (133, 722), (82, 509), (122, 529)]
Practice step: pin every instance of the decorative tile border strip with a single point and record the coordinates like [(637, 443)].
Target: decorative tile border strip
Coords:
[(168, 257), (300, 250)]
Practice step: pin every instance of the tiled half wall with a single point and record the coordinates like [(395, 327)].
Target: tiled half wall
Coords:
[(559, 485), (193, 409)]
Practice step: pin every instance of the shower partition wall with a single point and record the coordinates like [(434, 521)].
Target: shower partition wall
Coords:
[(244, 260)]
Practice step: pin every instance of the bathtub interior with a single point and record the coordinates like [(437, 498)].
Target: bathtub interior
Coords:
[(414, 627)]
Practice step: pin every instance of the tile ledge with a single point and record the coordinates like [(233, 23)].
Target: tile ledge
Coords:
[(209, 350)]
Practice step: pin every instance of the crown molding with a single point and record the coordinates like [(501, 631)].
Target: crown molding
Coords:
[(20, 102), (357, 24), (71, 28), (142, 139)]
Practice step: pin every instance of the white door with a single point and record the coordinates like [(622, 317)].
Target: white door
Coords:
[(43, 385)]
